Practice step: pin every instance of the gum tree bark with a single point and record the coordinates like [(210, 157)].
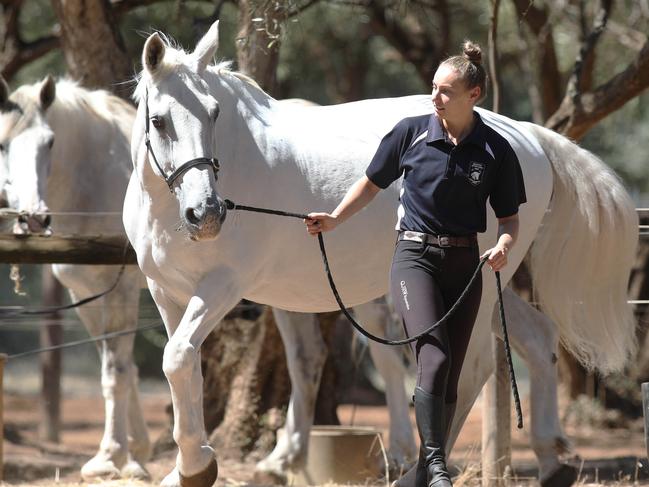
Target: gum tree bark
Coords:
[(93, 46)]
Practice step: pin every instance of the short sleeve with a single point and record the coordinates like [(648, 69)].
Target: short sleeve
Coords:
[(509, 187), (385, 167)]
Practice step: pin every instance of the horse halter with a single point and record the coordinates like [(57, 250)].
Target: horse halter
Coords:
[(169, 179)]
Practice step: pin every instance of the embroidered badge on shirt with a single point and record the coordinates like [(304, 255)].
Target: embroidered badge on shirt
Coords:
[(475, 173)]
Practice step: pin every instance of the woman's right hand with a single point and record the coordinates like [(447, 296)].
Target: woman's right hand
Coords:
[(320, 222)]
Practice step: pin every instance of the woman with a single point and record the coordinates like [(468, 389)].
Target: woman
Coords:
[(451, 163)]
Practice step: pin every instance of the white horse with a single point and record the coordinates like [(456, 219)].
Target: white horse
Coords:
[(301, 159), (66, 149), (91, 155)]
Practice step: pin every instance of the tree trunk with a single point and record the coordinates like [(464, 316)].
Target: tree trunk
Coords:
[(259, 40), (246, 385), (93, 47)]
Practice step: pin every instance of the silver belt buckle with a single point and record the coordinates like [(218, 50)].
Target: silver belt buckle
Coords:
[(443, 241), (412, 236)]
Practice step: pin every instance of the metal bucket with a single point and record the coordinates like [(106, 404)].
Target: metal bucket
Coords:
[(341, 455)]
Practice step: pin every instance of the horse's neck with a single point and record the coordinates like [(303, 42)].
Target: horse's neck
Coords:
[(90, 161), (245, 135)]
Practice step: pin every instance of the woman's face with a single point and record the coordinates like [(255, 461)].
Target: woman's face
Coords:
[(451, 98)]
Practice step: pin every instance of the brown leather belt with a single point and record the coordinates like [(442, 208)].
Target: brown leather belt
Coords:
[(439, 240)]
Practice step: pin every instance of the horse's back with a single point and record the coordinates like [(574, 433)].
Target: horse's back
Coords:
[(338, 143)]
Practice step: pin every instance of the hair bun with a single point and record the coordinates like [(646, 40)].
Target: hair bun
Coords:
[(472, 52)]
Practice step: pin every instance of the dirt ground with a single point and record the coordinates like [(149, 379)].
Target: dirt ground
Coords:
[(605, 456)]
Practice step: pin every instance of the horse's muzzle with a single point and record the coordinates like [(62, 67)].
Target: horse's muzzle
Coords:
[(204, 223), (35, 223)]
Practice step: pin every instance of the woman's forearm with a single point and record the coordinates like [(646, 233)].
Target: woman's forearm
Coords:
[(507, 232), (357, 197)]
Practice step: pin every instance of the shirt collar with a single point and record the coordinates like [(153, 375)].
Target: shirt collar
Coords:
[(435, 130), (476, 136)]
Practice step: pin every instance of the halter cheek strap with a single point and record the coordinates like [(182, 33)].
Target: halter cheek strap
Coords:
[(169, 179)]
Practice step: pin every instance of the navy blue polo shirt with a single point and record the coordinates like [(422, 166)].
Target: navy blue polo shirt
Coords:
[(445, 187)]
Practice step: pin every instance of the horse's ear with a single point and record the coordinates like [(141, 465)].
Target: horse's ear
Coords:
[(48, 92), (206, 47), (153, 53), (4, 90)]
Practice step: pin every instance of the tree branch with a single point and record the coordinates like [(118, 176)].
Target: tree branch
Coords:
[(581, 78), (28, 52), (574, 120), (15, 51), (538, 20)]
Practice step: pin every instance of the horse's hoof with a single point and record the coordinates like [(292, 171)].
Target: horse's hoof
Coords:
[(206, 478), (564, 476), (133, 470), (99, 469)]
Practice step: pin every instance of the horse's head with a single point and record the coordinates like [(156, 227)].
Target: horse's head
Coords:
[(175, 131), (26, 142)]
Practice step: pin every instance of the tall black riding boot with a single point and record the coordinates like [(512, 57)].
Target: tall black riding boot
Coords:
[(429, 411), (416, 475)]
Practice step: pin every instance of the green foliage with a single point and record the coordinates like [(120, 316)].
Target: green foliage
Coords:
[(37, 20), (178, 21), (321, 50)]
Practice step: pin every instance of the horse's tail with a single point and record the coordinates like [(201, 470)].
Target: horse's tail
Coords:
[(582, 258)]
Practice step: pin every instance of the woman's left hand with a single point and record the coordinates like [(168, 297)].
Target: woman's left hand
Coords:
[(497, 257)]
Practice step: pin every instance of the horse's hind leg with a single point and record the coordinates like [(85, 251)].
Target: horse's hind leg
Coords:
[(306, 353), (376, 317), (139, 445), (534, 336)]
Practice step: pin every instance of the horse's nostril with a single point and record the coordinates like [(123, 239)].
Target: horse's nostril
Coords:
[(191, 216)]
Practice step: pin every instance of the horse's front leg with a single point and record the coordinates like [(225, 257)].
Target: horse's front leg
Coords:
[(171, 315), (534, 336), (213, 298), (377, 319), (306, 353)]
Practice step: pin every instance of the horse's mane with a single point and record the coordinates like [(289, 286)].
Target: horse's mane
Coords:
[(177, 60), (74, 100)]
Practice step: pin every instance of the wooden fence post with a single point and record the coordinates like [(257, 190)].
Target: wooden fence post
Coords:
[(645, 413), (3, 360), (51, 335), (496, 422)]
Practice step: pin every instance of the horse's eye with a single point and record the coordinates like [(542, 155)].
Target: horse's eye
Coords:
[(3, 148), (158, 122), (50, 143)]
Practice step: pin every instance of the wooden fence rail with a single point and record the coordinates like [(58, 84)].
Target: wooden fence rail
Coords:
[(66, 249)]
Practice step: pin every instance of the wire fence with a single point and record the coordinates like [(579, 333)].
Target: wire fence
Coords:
[(13, 321)]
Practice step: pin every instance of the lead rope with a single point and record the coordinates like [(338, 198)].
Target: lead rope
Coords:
[(233, 206)]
